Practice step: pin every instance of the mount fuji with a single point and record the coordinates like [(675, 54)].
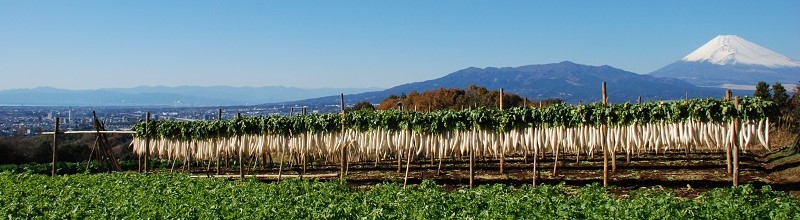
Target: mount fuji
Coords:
[(730, 61)]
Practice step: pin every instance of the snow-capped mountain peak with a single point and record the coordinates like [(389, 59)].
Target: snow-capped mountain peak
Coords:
[(732, 49)]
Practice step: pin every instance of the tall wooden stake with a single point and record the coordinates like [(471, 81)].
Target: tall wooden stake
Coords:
[(147, 142), (55, 147), (628, 153), (216, 142), (728, 162), (280, 166), (472, 158), (605, 148), (535, 164), (408, 166), (736, 145), (241, 150), (343, 159), (502, 140), (305, 157)]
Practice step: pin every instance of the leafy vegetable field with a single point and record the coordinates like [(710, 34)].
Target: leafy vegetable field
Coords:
[(162, 196)]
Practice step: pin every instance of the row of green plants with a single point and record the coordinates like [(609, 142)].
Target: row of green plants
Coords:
[(706, 110), (162, 196), (78, 167)]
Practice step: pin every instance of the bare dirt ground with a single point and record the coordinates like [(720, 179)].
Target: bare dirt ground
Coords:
[(688, 174)]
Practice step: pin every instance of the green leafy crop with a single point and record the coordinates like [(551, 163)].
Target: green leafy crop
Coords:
[(163, 196), (706, 110)]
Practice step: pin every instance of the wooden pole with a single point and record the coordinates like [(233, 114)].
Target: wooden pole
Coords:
[(139, 157), (728, 162), (408, 166), (280, 166), (472, 158), (525, 152), (55, 147), (216, 142), (147, 142), (535, 164), (342, 150), (555, 159), (502, 140), (241, 151), (441, 157), (605, 148), (628, 153), (735, 149)]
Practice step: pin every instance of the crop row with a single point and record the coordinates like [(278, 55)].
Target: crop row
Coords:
[(502, 120), (160, 196)]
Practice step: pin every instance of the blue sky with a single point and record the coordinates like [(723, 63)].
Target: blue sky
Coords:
[(312, 44)]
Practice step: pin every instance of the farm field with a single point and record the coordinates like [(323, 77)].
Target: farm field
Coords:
[(662, 159), (170, 196), (669, 185)]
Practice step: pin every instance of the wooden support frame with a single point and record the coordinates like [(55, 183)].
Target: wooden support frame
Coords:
[(55, 147), (604, 137)]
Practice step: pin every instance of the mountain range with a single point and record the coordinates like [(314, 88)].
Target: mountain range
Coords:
[(730, 61), (166, 96), (566, 80)]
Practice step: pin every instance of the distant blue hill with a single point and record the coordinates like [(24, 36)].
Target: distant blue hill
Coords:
[(568, 81), (165, 96)]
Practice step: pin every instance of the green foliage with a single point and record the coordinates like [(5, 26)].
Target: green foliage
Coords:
[(361, 106), (779, 97), (75, 167), (480, 118), (762, 90), (162, 196)]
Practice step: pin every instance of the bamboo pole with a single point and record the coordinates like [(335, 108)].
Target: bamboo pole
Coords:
[(525, 152), (555, 159), (304, 156), (605, 148), (147, 142), (216, 142), (241, 149), (280, 166), (535, 164), (138, 156), (735, 149), (342, 159), (728, 162), (441, 157), (55, 147), (472, 158), (408, 166), (502, 140)]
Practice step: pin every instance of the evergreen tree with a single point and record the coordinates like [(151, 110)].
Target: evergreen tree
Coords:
[(794, 102), (762, 90), (793, 108), (363, 106), (780, 97)]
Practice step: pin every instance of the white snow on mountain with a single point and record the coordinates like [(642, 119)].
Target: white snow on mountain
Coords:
[(731, 49)]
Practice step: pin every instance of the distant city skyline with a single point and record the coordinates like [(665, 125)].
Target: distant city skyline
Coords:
[(101, 44)]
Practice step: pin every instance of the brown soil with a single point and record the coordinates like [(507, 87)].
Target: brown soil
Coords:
[(687, 174)]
